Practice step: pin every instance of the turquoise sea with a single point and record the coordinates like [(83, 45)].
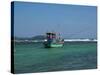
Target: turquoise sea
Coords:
[(33, 57)]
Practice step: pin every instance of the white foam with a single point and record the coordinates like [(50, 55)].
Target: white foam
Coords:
[(79, 40)]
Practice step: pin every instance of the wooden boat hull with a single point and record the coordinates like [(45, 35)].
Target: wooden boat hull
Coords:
[(53, 45), (56, 45)]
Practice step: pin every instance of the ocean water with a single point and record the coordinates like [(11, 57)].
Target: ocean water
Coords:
[(33, 57)]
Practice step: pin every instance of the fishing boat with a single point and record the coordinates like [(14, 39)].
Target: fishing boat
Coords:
[(53, 40)]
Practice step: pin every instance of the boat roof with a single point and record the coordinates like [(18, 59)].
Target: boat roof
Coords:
[(50, 33)]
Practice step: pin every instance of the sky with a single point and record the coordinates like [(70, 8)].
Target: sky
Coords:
[(71, 21)]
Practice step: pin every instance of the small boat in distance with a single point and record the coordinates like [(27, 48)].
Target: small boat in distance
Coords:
[(53, 40)]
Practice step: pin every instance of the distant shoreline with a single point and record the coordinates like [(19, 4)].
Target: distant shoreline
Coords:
[(65, 40)]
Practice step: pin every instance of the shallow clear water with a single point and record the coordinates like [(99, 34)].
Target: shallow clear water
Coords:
[(33, 57)]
